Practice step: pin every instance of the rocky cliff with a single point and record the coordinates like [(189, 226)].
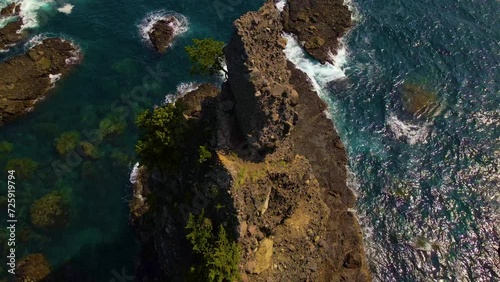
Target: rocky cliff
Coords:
[(276, 178)]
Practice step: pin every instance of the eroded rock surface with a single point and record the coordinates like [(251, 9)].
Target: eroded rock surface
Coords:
[(257, 64), (10, 10), (33, 268), (276, 178), (27, 78), (162, 34), (318, 24), (10, 34)]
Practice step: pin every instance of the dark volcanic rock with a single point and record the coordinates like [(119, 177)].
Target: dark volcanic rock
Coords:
[(318, 24), (11, 10), (9, 34), (26, 78), (162, 34), (276, 179), (259, 78)]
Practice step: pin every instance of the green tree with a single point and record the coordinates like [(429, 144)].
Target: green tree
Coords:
[(220, 257), (207, 56), (162, 137), (223, 262), (204, 154), (200, 232)]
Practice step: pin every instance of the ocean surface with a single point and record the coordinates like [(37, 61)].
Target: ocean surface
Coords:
[(428, 185)]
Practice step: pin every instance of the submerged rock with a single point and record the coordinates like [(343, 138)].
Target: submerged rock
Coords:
[(33, 268), (51, 211), (67, 142), (418, 101), (162, 34), (25, 79)]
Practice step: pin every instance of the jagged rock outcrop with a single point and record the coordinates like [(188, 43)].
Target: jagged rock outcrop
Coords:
[(11, 34), (162, 34), (257, 64), (276, 178), (318, 24), (10, 10), (27, 78)]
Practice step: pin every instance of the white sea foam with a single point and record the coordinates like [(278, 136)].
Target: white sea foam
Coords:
[(54, 77), (320, 74), (413, 133), (29, 11), (36, 40), (182, 89), (66, 9), (280, 5), (134, 173), (180, 25)]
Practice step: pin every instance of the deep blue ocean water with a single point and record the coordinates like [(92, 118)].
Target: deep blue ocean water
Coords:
[(428, 187)]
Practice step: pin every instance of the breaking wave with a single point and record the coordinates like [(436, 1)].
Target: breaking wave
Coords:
[(320, 74), (182, 89)]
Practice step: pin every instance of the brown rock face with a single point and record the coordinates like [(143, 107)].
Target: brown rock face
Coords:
[(162, 34), (317, 23), (25, 79), (9, 34), (11, 10), (259, 79)]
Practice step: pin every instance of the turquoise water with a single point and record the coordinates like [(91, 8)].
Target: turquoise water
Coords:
[(424, 184), (117, 66), (429, 187)]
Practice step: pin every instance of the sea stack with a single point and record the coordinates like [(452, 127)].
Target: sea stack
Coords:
[(275, 178), (163, 32)]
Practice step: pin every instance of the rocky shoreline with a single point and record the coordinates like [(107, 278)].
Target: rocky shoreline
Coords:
[(276, 178), (26, 79)]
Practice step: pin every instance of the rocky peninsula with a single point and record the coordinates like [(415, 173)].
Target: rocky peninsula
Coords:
[(27, 78), (262, 161), (11, 33)]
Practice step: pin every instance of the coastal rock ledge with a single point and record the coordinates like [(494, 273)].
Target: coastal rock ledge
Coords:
[(276, 178), (162, 34), (25, 79)]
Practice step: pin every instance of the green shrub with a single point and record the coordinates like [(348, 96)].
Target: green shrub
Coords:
[(207, 56), (204, 154), (162, 137), (219, 257)]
